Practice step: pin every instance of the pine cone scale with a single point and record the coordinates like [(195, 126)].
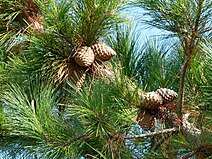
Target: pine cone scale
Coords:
[(84, 56), (151, 100), (102, 52)]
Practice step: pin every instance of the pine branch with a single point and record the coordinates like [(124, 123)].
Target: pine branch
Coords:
[(187, 128), (152, 133), (71, 141), (182, 79), (206, 30)]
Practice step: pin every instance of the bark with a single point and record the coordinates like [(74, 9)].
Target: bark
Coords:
[(182, 79)]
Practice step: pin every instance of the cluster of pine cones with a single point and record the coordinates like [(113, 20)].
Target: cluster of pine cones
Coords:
[(155, 104), (86, 60), (85, 56)]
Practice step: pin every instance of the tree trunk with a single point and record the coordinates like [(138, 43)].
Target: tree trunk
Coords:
[(182, 79)]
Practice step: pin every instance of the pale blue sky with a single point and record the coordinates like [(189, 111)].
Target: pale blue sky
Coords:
[(135, 15)]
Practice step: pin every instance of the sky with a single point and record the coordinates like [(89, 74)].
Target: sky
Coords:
[(145, 32)]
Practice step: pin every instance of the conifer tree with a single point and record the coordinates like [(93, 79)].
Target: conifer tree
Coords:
[(75, 82)]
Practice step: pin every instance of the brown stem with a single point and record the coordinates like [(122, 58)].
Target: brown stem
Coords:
[(152, 133), (182, 79), (206, 30), (190, 46)]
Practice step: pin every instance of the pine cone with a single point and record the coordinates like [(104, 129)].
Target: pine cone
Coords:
[(84, 56), (102, 51), (173, 119), (69, 70), (167, 95), (162, 113), (151, 100), (145, 120)]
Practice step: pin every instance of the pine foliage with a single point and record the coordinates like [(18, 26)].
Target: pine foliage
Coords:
[(75, 81)]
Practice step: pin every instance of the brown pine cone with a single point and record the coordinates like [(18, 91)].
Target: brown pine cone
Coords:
[(167, 95), (102, 52), (151, 100), (84, 56), (69, 70), (145, 120), (162, 113)]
